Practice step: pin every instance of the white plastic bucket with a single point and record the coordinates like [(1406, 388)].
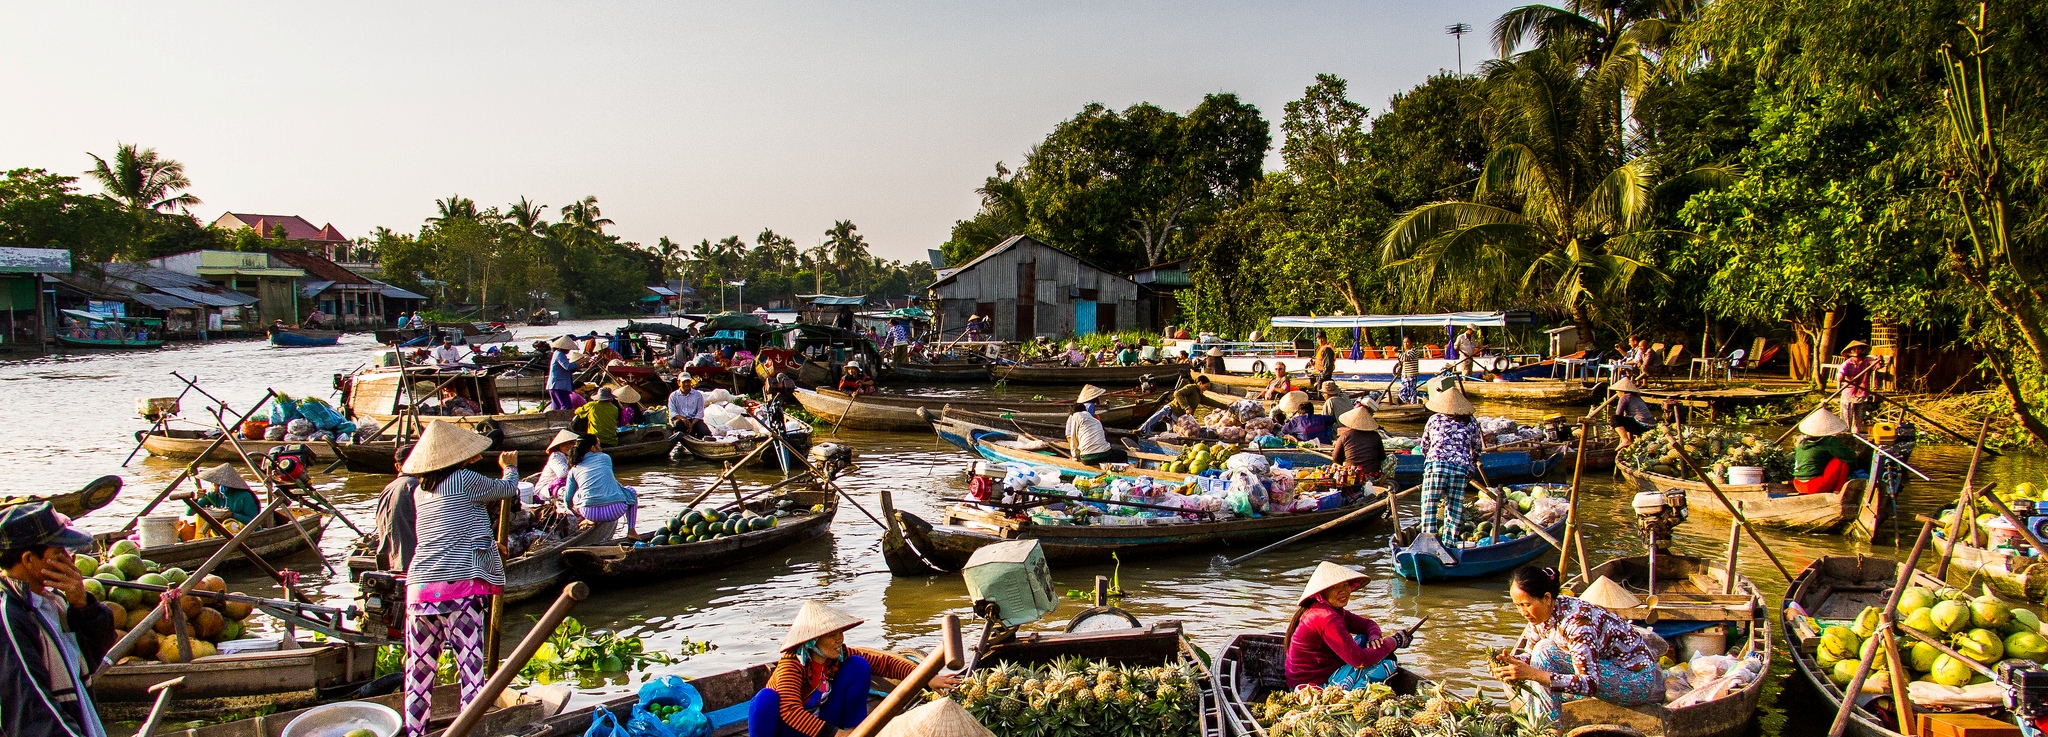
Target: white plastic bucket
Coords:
[(1740, 475), (159, 530)]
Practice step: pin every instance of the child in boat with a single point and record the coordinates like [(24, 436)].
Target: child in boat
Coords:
[(820, 685), (1581, 649), (1328, 645), (1822, 458)]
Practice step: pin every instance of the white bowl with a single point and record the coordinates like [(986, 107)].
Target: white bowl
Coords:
[(336, 720)]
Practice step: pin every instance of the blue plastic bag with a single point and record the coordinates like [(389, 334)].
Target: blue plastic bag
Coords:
[(603, 724), (669, 691), (321, 415), (283, 411)]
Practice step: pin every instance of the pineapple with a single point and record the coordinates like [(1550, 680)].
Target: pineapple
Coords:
[(1366, 732), (1105, 690), (1423, 720), (1391, 726), (1033, 686)]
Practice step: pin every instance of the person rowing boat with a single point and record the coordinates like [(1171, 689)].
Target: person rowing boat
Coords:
[(820, 684), (1822, 458)]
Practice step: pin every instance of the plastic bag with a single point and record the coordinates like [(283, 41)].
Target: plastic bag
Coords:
[(1713, 690), (283, 411), (603, 724), (669, 691), (321, 415), (300, 427)]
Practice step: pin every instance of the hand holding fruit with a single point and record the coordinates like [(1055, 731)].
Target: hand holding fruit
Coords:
[(945, 681)]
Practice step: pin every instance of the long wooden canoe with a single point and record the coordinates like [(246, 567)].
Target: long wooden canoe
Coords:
[(303, 338), (899, 413), (720, 451), (2017, 577), (624, 563), (1836, 588), (1687, 590), (1768, 505), (1385, 413), (924, 371), (512, 710), (186, 445), (957, 427), (1533, 391), (965, 529), (1163, 373), (1472, 562), (99, 493), (1253, 666), (634, 445), (281, 678), (272, 543), (985, 445), (727, 697)]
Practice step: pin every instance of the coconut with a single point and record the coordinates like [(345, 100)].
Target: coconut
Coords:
[(214, 584), (1922, 620), (130, 565), (1867, 622), (208, 624), (2026, 646), (145, 646), (191, 604), (175, 574), (120, 615), (86, 565), (166, 625), (1915, 599), (1950, 593), (230, 631), (123, 546), (2023, 621), (1921, 656), (1987, 612), (1949, 671), (1844, 670), (236, 610), (1951, 616), (95, 589), (1981, 645)]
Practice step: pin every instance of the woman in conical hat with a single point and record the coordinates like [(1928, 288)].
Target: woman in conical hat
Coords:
[(820, 684), (1303, 423), (555, 473), (1359, 445), (1822, 458), (1581, 649), (1632, 416), (230, 493), (940, 718), (455, 567), (1450, 450), (1085, 435), (1328, 645)]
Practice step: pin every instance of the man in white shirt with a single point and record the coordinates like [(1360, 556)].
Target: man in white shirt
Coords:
[(447, 354), (1085, 436), (686, 409)]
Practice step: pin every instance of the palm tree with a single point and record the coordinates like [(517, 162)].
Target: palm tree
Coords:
[(584, 215), (775, 251), (143, 181), (849, 248), (1620, 41), (525, 215), (455, 207)]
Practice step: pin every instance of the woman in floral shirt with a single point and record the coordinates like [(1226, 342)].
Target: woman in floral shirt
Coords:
[(1580, 649), (1450, 449)]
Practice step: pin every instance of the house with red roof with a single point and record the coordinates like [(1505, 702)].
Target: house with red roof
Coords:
[(347, 299), (325, 238)]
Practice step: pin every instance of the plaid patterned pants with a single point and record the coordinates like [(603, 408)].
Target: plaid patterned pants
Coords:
[(1443, 499), (458, 624)]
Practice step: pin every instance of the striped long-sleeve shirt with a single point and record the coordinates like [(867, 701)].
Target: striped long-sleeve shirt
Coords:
[(792, 687), (453, 529)]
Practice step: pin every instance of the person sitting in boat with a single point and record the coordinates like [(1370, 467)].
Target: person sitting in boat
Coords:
[(446, 355), (456, 568), (820, 685), (1147, 353), (1212, 361), (317, 320), (230, 493), (686, 409), (455, 405), (1281, 384), (630, 413), (1303, 424), (1580, 649), (593, 492), (56, 634), (601, 416), (1192, 396), (1085, 436), (853, 381), (1328, 645), (1075, 356), (1450, 450), (1823, 456), (1126, 354), (1632, 416), (1359, 444), (553, 479), (1335, 401)]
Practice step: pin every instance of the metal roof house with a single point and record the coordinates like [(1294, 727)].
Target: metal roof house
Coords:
[(261, 275), (1028, 288), (21, 295)]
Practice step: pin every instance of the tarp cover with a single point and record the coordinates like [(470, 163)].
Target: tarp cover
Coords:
[(1460, 319), (833, 300), (655, 328)]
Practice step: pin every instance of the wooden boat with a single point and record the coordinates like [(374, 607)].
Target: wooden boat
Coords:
[(1834, 589), (515, 385), (987, 446), (107, 332), (281, 678), (937, 371), (957, 427), (891, 412), (1042, 373), (635, 444), (727, 697), (544, 318), (2018, 577), (1235, 380), (379, 396), (965, 529), (1160, 643), (303, 337), (1690, 593), (99, 493), (186, 445), (1533, 391), (512, 710), (1255, 665), (1531, 461), (625, 563), (1472, 562), (1769, 504), (272, 543), (721, 451), (1386, 412)]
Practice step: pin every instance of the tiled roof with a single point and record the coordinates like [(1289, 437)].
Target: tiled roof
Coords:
[(319, 268), (295, 227), (35, 261)]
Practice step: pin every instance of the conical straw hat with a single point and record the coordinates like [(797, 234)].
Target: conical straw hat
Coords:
[(1214, 351), (563, 437), (1359, 418), (941, 718), (1623, 384), (1090, 393), (1328, 574), (1607, 594), (443, 445), (224, 475), (1822, 423), (816, 620), (1295, 401), (1853, 345), (629, 395), (1449, 402), (563, 344)]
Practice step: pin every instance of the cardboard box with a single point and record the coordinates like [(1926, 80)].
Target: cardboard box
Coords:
[(1965, 725)]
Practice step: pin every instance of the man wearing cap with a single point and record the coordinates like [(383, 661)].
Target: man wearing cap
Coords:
[(1085, 436), (230, 493), (601, 416), (1821, 459), (561, 374), (686, 408), (1632, 416), (1328, 645), (1335, 401), (52, 634), (820, 684)]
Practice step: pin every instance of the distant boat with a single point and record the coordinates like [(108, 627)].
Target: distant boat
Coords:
[(110, 332), (303, 338)]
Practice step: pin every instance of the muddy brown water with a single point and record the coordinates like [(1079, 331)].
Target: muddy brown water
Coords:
[(70, 418)]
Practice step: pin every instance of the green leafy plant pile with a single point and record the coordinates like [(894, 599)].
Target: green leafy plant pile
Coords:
[(1074, 697), (575, 649), (1375, 711)]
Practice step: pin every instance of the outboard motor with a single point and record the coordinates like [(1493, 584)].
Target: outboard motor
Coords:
[(288, 465), (2026, 694), (831, 459)]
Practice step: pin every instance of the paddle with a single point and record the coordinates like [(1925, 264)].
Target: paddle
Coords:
[(1571, 516), (1964, 502), (473, 711), (1326, 526)]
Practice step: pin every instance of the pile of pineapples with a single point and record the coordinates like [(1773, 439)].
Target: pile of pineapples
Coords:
[(1072, 696), (1375, 711)]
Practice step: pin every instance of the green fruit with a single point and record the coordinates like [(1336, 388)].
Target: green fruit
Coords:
[(2026, 646), (2023, 621), (1951, 593), (1915, 599), (108, 573), (87, 565), (128, 598), (360, 733), (123, 547), (2024, 490), (611, 664), (130, 565), (1951, 616), (153, 579), (1987, 612), (1981, 645), (1922, 620), (693, 517), (1843, 671), (1867, 622), (175, 575), (94, 588), (1921, 656), (771, 523), (232, 630), (1950, 672)]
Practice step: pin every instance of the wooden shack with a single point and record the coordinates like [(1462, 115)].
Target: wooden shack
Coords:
[(1029, 289)]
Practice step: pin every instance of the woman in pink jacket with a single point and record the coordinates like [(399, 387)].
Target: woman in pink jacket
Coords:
[(1328, 646)]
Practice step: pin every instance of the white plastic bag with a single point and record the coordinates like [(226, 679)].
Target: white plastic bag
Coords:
[(1253, 462)]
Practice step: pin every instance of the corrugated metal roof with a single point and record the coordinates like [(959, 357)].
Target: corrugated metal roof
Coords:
[(165, 302), (35, 261), (396, 293), (663, 291), (154, 276), (209, 298), (311, 288)]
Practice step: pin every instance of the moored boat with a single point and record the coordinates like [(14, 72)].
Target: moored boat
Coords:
[(1507, 464), (635, 444), (513, 709), (2017, 577), (1533, 391), (303, 337), (100, 492), (382, 396), (516, 385), (938, 371), (1253, 666), (186, 445), (1837, 588), (989, 446), (957, 427), (721, 451), (1768, 504), (275, 679), (1383, 413), (892, 412), (272, 543), (623, 561), (107, 332), (1047, 373), (1484, 558), (532, 573)]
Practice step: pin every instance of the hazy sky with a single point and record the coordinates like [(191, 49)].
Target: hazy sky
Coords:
[(690, 120)]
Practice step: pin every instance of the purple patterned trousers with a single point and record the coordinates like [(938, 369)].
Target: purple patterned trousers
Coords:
[(457, 624)]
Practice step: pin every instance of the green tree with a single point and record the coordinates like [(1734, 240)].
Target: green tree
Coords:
[(143, 181), (40, 209)]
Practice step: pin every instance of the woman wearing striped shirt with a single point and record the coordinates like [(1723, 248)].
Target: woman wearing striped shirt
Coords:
[(820, 685), (455, 567)]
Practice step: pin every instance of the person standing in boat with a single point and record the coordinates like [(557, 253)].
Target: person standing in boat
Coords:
[(1581, 650), (1408, 369), (686, 408), (52, 633), (820, 685), (1450, 450), (561, 374), (593, 491), (456, 568), (1632, 416), (1303, 424), (1359, 445), (1328, 645), (229, 493), (1822, 458), (396, 516), (1325, 359), (601, 417), (1468, 347), (1858, 373), (1085, 436)]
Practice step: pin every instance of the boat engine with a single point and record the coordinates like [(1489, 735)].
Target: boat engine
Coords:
[(831, 459), (383, 603), (2026, 693), (288, 465), (1657, 514)]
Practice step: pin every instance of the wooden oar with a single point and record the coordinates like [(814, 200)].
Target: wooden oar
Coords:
[(1571, 515), (1886, 621), (1964, 502), (161, 425), (1327, 526), (473, 711), (1686, 458)]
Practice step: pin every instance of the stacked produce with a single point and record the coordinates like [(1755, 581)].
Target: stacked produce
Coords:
[(209, 621), (1714, 450), (1543, 505), (1075, 697), (1197, 458), (694, 525), (1982, 629), (1375, 711), (1997, 533)]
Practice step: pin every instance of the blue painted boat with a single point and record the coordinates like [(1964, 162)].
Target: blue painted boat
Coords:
[(1504, 465), (299, 338), (1474, 562), (982, 444)]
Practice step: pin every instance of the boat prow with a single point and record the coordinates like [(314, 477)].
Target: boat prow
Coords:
[(1254, 665)]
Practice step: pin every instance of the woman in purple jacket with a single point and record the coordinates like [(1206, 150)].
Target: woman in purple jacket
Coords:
[(1328, 646)]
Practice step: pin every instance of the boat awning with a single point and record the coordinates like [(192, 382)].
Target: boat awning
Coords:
[(662, 291), (1458, 319), (165, 302), (833, 300)]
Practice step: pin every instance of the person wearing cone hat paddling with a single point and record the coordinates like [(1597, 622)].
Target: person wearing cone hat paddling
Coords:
[(686, 408), (1303, 423), (1330, 646), (561, 374), (229, 492), (1857, 376), (1085, 435), (1450, 450), (1581, 649), (456, 568), (1822, 458), (52, 632), (820, 684), (1359, 445), (1632, 416), (600, 417)]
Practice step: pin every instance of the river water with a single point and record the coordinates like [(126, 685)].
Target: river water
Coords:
[(71, 418)]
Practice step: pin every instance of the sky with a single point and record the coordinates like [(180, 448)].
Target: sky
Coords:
[(689, 120)]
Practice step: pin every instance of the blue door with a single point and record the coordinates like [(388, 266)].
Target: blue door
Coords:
[(1084, 316)]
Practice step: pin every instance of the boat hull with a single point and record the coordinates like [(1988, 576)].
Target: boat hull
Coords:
[(1533, 391), (541, 572), (312, 667), (186, 445), (1163, 373), (1838, 587), (1768, 505), (272, 543), (511, 711), (894, 413), (634, 445), (304, 338), (627, 564), (1254, 665), (1485, 560), (733, 450), (2015, 577), (109, 345)]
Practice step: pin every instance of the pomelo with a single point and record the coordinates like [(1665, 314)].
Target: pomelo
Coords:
[(2026, 646)]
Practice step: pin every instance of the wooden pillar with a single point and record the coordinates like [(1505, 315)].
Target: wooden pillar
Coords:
[(1885, 341)]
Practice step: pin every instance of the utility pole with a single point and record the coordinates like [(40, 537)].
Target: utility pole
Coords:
[(1458, 31)]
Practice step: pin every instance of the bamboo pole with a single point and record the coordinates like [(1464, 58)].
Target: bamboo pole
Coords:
[(1500, 502), (496, 624), (1571, 516), (951, 653), (1736, 512), (1965, 503), (1886, 621), (473, 711), (1388, 503), (137, 629), (1902, 701)]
